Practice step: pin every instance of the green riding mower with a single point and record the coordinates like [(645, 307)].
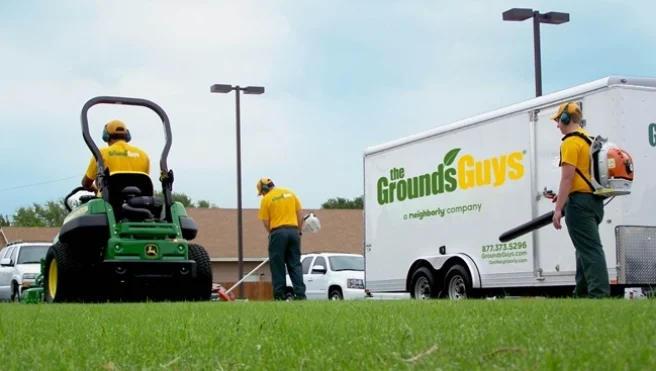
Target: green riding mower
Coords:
[(127, 244)]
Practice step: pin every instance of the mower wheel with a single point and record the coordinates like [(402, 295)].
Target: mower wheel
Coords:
[(59, 279), (201, 289)]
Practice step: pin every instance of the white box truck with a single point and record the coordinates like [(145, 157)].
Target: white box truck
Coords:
[(435, 203)]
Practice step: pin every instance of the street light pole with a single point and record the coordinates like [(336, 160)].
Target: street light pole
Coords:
[(240, 226), (537, 53), (522, 14), (223, 88)]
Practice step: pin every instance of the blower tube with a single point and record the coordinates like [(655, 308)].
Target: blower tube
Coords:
[(530, 226)]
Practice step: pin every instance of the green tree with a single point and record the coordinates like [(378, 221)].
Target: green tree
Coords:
[(187, 201), (204, 204), (50, 214), (180, 197), (4, 221), (344, 203)]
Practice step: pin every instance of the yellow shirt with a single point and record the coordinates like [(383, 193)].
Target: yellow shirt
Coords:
[(279, 207), (576, 151), (119, 157)]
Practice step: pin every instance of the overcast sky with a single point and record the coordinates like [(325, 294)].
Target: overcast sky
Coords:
[(339, 75)]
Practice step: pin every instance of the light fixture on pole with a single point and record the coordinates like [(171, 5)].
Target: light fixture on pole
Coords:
[(522, 14), (223, 88)]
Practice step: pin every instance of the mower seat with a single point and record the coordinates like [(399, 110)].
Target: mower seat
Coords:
[(131, 195)]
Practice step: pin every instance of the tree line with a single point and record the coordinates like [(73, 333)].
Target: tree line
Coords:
[(52, 213)]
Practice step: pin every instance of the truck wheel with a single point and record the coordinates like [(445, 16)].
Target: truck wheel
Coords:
[(59, 279), (423, 284), (15, 294), (201, 289), (335, 294), (457, 283)]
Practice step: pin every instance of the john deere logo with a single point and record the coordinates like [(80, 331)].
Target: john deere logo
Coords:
[(151, 251)]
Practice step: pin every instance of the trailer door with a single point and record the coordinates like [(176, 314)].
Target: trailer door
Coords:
[(555, 256)]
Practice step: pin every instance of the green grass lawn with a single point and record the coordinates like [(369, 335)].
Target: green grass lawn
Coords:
[(372, 335)]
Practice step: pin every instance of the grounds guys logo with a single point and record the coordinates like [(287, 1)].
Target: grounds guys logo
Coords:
[(465, 173)]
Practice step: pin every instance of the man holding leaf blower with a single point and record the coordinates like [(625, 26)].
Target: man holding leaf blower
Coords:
[(584, 211)]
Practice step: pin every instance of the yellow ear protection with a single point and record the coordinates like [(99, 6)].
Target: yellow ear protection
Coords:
[(564, 117), (106, 136)]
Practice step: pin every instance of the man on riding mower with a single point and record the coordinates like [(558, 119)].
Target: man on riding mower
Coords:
[(118, 155)]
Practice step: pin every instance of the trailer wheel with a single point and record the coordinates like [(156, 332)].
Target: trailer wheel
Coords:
[(423, 284), (457, 283)]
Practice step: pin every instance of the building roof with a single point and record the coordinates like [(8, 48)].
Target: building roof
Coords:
[(341, 231)]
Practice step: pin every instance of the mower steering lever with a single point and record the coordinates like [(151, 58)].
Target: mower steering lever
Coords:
[(74, 191)]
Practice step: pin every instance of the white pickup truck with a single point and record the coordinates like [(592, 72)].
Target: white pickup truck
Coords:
[(20, 263), (334, 276)]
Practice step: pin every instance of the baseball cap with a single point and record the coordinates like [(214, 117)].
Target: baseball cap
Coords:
[(571, 108), (116, 127), (260, 183)]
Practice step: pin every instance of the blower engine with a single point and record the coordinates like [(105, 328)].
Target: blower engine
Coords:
[(611, 168), (311, 223)]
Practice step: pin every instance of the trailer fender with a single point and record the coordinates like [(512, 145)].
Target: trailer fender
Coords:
[(437, 262)]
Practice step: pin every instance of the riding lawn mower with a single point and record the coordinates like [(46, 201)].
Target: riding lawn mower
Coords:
[(125, 244)]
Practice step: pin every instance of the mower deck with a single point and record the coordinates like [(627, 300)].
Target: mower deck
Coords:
[(121, 270)]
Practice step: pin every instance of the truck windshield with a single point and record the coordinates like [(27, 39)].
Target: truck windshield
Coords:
[(32, 254), (346, 263)]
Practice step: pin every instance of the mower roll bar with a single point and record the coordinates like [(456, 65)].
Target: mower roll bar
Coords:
[(166, 176), (129, 102)]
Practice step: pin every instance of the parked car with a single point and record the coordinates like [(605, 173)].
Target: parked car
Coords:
[(334, 276), (20, 263)]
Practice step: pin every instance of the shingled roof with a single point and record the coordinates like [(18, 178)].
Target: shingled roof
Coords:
[(341, 231)]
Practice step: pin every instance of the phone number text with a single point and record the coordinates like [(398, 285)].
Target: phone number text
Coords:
[(504, 246)]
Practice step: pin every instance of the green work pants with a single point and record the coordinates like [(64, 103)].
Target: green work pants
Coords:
[(583, 214), (285, 250)]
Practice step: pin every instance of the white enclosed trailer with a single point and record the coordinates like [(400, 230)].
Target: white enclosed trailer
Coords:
[(435, 203)]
